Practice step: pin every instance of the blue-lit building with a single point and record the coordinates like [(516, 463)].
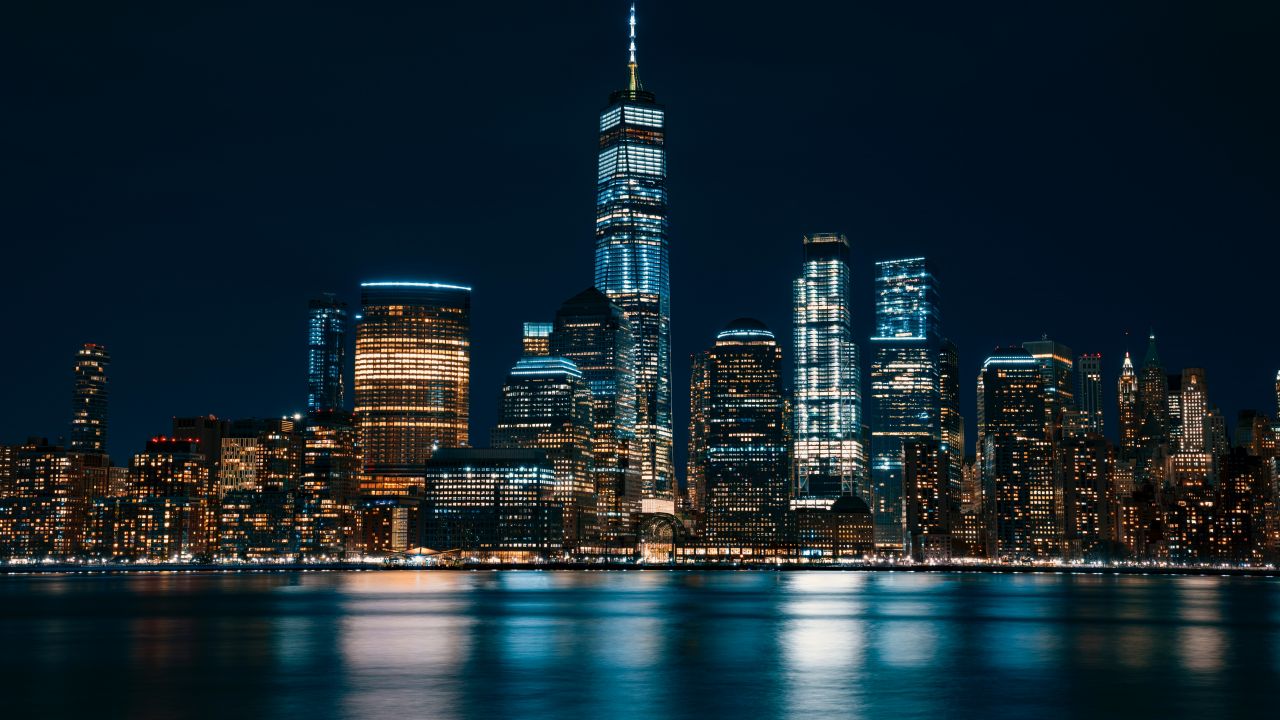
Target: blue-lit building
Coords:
[(631, 264), (326, 353), (740, 441), (905, 403), (828, 456)]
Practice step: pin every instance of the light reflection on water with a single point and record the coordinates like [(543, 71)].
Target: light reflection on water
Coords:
[(638, 644)]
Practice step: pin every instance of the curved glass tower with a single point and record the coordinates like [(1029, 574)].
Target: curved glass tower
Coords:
[(631, 258)]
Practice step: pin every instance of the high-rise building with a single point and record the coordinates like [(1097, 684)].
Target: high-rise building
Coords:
[(929, 508), (536, 341), (905, 403), (1193, 411), (1127, 399), (326, 353), (1240, 507), (828, 457), (595, 335), (1088, 504), (631, 265), (952, 422), (260, 455), (89, 403), (1057, 369), (328, 485), (1089, 392), (1153, 392), (546, 405), (43, 505), (1017, 458), (744, 451), (412, 379), (492, 503)]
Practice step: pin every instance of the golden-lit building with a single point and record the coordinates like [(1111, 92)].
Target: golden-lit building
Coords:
[(412, 379), (832, 529)]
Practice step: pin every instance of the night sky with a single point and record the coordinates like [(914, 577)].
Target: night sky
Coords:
[(179, 178)]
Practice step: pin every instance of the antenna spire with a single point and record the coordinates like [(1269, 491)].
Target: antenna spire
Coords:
[(631, 64)]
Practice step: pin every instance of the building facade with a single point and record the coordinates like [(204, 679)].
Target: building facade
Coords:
[(326, 353)]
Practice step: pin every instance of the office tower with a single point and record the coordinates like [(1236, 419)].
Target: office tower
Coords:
[(326, 353), (631, 264), (89, 403), (328, 485), (493, 503), (828, 458), (905, 401), (260, 455), (1089, 392), (546, 405), (1193, 411), (929, 507), (1017, 458), (412, 379), (1088, 506), (833, 528), (699, 432), (744, 451), (950, 419), (595, 335), (536, 341), (1153, 392), (1216, 438), (1057, 371), (1127, 398)]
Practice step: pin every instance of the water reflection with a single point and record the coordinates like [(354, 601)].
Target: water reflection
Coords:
[(638, 644)]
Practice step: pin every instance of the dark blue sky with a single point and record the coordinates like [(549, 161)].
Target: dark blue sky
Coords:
[(179, 178)]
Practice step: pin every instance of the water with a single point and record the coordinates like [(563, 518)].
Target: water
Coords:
[(638, 645)]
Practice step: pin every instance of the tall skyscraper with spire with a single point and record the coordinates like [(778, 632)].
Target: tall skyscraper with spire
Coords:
[(1127, 397), (631, 257)]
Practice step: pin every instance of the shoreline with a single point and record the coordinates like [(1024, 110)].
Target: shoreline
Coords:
[(952, 568)]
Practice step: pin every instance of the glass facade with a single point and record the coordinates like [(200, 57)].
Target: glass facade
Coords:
[(546, 405), (743, 448), (595, 335), (1089, 392), (89, 403), (326, 353), (1057, 368), (412, 379), (905, 384), (631, 264), (828, 458)]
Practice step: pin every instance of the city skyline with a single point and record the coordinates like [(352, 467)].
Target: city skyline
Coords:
[(234, 382)]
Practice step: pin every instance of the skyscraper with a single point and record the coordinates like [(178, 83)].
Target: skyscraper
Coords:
[(546, 405), (1089, 392), (1193, 405), (412, 379), (1057, 369), (953, 435), (326, 353), (1153, 391), (594, 334), (536, 340), (1017, 457), (905, 389), (744, 457), (631, 264), (1127, 399), (89, 403), (829, 459)]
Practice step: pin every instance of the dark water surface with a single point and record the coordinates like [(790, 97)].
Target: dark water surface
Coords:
[(639, 645)]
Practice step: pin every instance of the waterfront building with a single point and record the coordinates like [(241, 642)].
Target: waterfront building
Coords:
[(1240, 512), (593, 333), (952, 422), (1017, 458), (631, 263), (328, 485), (43, 506), (1089, 502), (699, 433), (546, 405), (741, 443), (412, 379), (256, 525), (326, 353), (1089, 393), (828, 454), (832, 529), (905, 401), (89, 401), (929, 508), (493, 504), (207, 432)]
